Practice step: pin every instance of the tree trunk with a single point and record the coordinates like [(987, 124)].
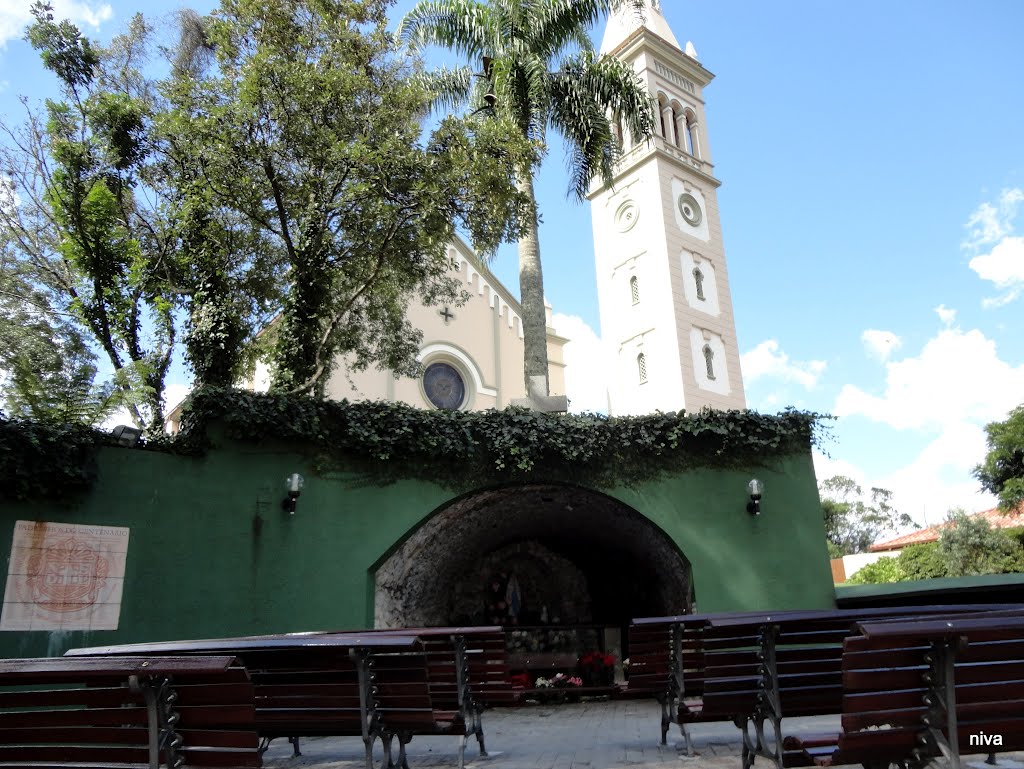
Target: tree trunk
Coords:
[(531, 293)]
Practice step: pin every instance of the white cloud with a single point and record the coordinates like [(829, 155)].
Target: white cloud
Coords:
[(1002, 261), (880, 344), (1003, 266), (585, 372), (946, 315), (939, 478), (936, 480), (830, 467), (958, 377), (15, 15), (768, 361), (990, 223)]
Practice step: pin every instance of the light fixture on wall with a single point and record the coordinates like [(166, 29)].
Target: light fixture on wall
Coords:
[(293, 484), (755, 488), (124, 435)]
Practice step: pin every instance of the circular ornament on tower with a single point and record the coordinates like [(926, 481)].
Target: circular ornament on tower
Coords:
[(626, 216), (690, 209), (444, 386)]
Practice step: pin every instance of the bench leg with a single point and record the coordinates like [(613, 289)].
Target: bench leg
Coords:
[(404, 738), (758, 744), (478, 730), (666, 719), (386, 740), (684, 729), (295, 747), (368, 744)]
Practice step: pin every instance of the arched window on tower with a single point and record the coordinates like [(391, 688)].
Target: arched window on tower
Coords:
[(709, 361), (634, 290), (698, 279), (616, 125), (678, 125), (641, 367), (691, 135), (662, 107)]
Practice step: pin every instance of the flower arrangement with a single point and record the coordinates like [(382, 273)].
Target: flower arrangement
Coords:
[(558, 681)]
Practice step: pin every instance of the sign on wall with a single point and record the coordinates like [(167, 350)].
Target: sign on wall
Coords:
[(64, 576)]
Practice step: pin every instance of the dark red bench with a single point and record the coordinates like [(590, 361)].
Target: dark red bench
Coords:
[(751, 667), (467, 671), (365, 685), (127, 712), (918, 689)]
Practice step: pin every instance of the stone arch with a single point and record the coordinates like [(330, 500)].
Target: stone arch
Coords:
[(610, 562)]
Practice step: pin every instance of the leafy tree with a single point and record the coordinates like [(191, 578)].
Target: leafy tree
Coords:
[(853, 520), (306, 130), (885, 569), (539, 70), (47, 371), (969, 545), (74, 227), (1002, 472), (924, 561)]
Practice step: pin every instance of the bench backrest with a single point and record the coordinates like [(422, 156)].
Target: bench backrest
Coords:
[(320, 684), (895, 680), (106, 710)]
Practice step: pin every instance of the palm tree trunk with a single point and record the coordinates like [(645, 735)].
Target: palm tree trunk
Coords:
[(531, 293)]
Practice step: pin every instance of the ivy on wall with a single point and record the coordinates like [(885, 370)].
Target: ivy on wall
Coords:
[(39, 460), (387, 441), (383, 442)]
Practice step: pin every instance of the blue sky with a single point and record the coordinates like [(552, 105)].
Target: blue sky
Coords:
[(873, 181)]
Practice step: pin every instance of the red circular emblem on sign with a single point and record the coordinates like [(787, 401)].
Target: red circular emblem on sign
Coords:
[(67, 576)]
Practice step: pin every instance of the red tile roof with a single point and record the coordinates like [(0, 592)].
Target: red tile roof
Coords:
[(996, 518)]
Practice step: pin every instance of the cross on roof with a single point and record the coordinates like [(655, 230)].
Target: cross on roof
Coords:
[(447, 315)]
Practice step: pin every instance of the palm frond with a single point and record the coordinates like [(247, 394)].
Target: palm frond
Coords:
[(556, 24), (585, 93), (462, 25), (447, 89)]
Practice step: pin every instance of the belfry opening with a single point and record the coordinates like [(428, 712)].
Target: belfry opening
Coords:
[(532, 555)]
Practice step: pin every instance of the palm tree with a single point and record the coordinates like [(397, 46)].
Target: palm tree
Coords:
[(539, 68)]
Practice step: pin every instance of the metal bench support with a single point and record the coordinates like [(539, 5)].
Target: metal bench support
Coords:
[(768, 707)]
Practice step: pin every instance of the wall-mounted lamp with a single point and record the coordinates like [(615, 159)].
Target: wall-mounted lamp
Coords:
[(126, 436), (293, 483), (755, 489)]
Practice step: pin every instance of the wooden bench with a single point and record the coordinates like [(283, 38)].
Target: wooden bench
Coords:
[(365, 685), (467, 671), (127, 712), (751, 667), (668, 658), (918, 689)]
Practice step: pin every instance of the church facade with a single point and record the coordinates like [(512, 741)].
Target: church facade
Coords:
[(471, 354)]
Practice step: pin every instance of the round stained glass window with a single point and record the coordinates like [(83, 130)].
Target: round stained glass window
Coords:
[(444, 386)]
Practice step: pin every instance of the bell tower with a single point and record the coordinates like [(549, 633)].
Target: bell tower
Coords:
[(663, 287)]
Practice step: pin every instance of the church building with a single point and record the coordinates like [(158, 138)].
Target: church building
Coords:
[(222, 544), (666, 313), (667, 325)]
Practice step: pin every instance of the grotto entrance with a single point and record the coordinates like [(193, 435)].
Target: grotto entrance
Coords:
[(532, 555)]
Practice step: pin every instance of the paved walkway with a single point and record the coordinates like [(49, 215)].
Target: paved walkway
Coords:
[(592, 735)]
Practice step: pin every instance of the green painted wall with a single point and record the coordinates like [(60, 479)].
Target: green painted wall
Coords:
[(211, 552)]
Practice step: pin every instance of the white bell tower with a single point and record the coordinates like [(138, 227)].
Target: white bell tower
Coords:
[(663, 288)]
